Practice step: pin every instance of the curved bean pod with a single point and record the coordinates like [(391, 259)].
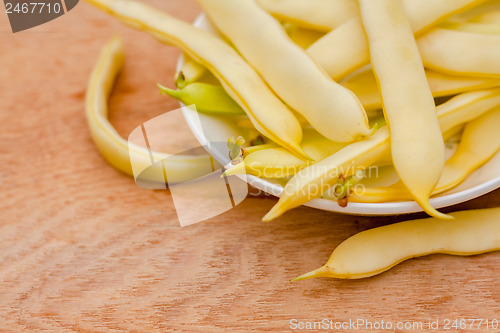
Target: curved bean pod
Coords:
[(479, 53), (271, 161), (268, 114), (374, 251), (364, 84), (331, 109), (345, 49), (279, 163), (466, 107), (474, 27), (456, 111), (111, 145), (479, 143), (416, 140), (484, 12), (322, 15), (314, 180), (490, 17)]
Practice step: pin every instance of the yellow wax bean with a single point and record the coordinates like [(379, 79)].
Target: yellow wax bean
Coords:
[(374, 251), (492, 17), (112, 146), (476, 14), (416, 139), (364, 84), (278, 162), (424, 15), (268, 114), (271, 161), (369, 194), (321, 15), (253, 149), (345, 49), (461, 53), (478, 28), (331, 109), (342, 50), (304, 187), (479, 143), (466, 107), (314, 180), (191, 72), (447, 85)]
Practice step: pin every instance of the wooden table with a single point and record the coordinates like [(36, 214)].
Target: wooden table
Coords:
[(84, 249)]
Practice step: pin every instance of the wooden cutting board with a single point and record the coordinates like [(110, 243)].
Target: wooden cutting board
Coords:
[(82, 248)]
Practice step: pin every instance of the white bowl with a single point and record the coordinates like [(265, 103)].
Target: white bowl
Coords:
[(219, 128)]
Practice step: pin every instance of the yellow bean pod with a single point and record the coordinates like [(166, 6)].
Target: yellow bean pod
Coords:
[(466, 107), (473, 27), (321, 15), (458, 110), (314, 180), (345, 49), (446, 85), (374, 251), (331, 109), (191, 72), (111, 145), (278, 162), (416, 139), (490, 17), (271, 161), (479, 53), (364, 84), (253, 149), (480, 13), (479, 143), (268, 114)]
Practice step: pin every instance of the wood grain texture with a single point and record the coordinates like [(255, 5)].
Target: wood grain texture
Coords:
[(83, 249)]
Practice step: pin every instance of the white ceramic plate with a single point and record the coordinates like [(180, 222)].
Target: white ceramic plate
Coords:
[(218, 129)]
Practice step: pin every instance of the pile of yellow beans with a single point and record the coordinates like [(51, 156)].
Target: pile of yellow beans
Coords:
[(333, 67)]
